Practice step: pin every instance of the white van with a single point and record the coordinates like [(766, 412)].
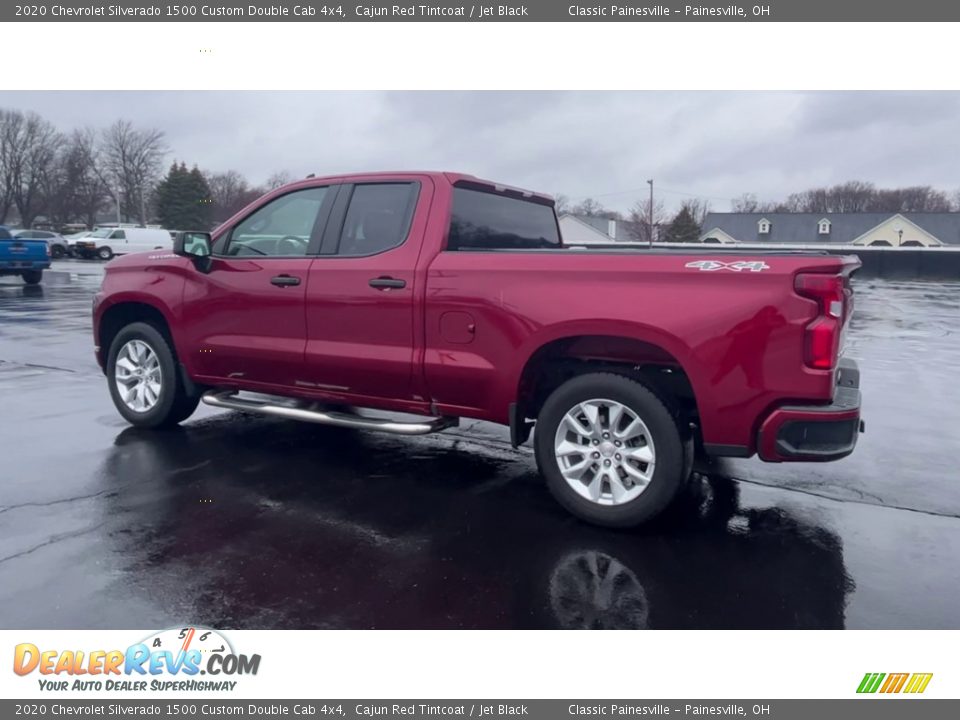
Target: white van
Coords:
[(105, 242)]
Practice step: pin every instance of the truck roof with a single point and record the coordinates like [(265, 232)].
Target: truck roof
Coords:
[(453, 178)]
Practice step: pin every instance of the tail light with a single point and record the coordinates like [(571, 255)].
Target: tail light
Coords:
[(822, 341), (47, 248)]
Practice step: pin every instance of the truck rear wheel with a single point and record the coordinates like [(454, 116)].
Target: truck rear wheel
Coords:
[(610, 450), (32, 277), (144, 383)]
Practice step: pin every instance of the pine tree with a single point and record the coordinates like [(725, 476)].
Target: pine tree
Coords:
[(203, 208), (183, 199), (683, 227)]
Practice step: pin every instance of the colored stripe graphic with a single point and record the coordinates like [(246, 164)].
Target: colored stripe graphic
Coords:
[(870, 682), (894, 683), (918, 682)]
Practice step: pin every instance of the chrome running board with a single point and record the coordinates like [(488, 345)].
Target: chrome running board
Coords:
[(313, 412)]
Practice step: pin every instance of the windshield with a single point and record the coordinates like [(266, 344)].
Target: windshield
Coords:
[(102, 232)]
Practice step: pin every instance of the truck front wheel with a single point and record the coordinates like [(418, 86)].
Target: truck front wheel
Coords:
[(144, 383), (610, 450)]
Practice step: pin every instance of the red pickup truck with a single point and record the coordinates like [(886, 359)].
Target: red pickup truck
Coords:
[(442, 296)]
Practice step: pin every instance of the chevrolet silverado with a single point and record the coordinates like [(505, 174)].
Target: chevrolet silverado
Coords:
[(427, 297)]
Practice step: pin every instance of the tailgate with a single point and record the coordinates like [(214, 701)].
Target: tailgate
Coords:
[(17, 250)]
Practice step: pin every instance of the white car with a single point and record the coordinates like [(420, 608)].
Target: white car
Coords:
[(72, 239), (105, 242), (58, 244)]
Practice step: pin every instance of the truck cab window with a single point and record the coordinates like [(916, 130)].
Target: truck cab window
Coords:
[(282, 227), (490, 221), (378, 218)]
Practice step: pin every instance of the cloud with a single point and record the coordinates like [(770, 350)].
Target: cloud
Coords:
[(606, 145)]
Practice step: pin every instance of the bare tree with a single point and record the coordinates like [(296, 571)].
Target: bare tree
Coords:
[(851, 197), (132, 164), (230, 193), (919, 198), (279, 179), (746, 203), (92, 191), (816, 200), (10, 122), (639, 220), (561, 204), (28, 145), (588, 207), (926, 199), (855, 196), (75, 189), (698, 209)]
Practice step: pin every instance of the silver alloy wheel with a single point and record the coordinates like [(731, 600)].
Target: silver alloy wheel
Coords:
[(605, 452), (138, 376)]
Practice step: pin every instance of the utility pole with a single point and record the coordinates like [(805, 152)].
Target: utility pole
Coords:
[(650, 215)]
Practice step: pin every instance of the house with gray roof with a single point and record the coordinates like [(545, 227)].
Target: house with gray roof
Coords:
[(922, 229), (584, 230)]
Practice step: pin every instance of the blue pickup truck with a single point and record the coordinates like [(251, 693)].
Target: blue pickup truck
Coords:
[(23, 257)]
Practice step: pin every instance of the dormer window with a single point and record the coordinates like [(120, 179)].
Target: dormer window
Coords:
[(823, 227), (763, 227)]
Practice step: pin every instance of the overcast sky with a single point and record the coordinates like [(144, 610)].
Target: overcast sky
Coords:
[(715, 145)]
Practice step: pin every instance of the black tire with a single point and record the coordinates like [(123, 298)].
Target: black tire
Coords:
[(32, 277), (57, 252), (670, 468), (104, 253), (174, 404)]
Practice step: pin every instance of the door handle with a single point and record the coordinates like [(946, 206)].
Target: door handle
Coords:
[(385, 283), (284, 280)]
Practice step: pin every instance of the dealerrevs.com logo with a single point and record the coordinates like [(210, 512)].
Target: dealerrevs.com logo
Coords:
[(174, 660)]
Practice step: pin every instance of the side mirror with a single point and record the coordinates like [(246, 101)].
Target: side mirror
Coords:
[(196, 246)]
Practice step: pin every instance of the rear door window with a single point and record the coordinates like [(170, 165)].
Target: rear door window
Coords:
[(377, 219), (491, 221)]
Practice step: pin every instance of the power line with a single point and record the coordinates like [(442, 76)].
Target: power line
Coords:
[(697, 195), (659, 189)]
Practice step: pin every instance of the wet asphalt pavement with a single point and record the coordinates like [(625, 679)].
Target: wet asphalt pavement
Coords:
[(238, 521)]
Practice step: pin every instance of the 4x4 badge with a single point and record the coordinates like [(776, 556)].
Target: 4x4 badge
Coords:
[(710, 265)]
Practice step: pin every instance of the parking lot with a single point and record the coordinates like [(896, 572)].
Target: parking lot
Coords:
[(245, 522)]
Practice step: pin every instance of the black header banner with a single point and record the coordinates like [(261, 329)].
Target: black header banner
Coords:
[(453, 11)]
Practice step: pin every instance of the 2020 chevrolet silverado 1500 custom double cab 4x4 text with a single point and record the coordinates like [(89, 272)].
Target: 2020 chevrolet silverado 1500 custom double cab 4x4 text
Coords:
[(445, 296)]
